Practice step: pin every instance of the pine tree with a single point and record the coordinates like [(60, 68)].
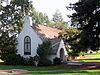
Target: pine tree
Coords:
[(58, 21), (87, 18), (57, 17)]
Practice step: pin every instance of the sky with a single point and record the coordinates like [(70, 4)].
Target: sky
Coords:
[(50, 6)]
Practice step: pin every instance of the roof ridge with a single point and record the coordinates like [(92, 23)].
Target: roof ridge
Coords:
[(48, 27)]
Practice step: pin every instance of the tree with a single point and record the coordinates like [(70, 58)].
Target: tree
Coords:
[(87, 18), (12, 15), (71, 36), (57, 17), (11, 19), (7, 44), (58, 22), (43, 49), (40, 18)]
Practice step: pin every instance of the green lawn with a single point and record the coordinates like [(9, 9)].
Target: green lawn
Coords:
[(67, 72), (30, 68), (91, 58)]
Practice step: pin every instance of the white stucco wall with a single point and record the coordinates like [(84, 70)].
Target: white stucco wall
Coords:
[(61, 46), (35, 40), (51, 57)]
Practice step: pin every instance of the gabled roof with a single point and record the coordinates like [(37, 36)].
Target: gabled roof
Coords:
[(45, 32), (48, 33)]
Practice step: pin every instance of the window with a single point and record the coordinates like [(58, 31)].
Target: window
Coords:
[(27, 45)]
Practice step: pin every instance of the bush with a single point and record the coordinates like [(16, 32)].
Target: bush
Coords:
[(56, 61), (28, 61), (44, 49), (12, 59), (44, 62), (81, 53)]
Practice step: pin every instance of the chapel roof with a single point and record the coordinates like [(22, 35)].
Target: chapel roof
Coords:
[(48, 33), (45, 32)]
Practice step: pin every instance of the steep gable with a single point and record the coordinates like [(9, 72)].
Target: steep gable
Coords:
[(45, 32), (48, 33)]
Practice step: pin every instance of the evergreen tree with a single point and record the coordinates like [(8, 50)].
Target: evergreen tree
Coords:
[(57, 17), (11, 19), (87, 18), (40, 18), (58, 21)]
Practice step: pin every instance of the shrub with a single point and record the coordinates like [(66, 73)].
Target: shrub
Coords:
[(31, 61), (56, 61), (28, 61), (12, 59), (44, 62), (44, 49)]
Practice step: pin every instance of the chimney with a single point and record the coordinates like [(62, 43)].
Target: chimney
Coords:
[(28, 20)]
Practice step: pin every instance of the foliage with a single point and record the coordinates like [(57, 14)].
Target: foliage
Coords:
[(58, 25), (43, 49), (7, 43), (56, 61), (44, 62), (28, 61), (57, 17), (11, 19), (11, 16), (87, 19), (40, 18), (69, 34), (58, 21), (12, 59), (72, 37)]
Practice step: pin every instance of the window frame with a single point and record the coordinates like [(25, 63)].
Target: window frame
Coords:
[(27, 44)]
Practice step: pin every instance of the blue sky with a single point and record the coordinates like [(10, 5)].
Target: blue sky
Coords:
[(50, 6)]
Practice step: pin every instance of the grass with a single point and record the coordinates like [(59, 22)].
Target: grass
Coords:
[(91, 58), (67, 72), (31, 68)]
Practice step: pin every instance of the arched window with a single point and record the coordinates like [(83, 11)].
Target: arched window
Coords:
[(27, 45)]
